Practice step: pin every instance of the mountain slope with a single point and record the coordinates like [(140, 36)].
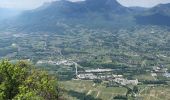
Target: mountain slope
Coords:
[(91, 13), (162, 8), (159, 15), (107, 14)]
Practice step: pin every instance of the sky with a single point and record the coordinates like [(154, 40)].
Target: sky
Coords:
[(31, 4), (143, 3)]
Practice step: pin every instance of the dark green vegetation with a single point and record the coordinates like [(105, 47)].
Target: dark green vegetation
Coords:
[(21, 82)]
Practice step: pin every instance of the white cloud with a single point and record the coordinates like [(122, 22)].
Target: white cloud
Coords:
[(142, 3)]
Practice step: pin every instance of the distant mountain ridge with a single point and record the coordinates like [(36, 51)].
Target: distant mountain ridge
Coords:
[(158, 15), (67, 7), (91, 13), (162, 8)]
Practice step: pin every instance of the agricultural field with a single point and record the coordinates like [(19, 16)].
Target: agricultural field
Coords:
[(146, 76), (84, 89), (156, 93)]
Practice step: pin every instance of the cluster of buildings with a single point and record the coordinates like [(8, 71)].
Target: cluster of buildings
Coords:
[(62, 62), (162, 70), (92, 74), (87, 76), (166, 75), (95, 74), (98, 70), (124, 81), (159, 69), (105, 74)]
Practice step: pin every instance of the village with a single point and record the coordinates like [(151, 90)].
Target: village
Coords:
[(93, 74), (105, 74)]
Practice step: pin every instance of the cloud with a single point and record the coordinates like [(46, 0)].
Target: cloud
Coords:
[(142, 3)]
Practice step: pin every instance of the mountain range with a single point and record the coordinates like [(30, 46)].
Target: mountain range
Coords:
[(91, 13)]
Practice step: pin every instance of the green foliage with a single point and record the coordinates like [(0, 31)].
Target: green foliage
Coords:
[(20, 82), (120, 97), (135, 89), (154, 82), (97, 81)]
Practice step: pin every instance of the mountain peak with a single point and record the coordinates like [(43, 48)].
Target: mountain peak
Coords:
[(65, 6), (104, 6), (109, 4)]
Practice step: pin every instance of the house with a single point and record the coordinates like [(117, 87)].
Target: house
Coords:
[(166, 75), (153, 74), (156, 69)]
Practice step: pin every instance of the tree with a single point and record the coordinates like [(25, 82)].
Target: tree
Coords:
[(120, 97), (97, 81), (22, 82), (135, 89), (129, 92)]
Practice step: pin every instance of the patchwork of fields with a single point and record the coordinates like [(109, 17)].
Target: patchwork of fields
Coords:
[(88, 90), (83, 89)]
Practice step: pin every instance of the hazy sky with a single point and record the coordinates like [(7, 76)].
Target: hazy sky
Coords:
[(142, 3), (30, 4)]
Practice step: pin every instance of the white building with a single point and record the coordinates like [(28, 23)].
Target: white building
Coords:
[(87, 76), (153, 74), (98, 70), (166, 75), (117, 76), (62, 62), (123, 81)]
